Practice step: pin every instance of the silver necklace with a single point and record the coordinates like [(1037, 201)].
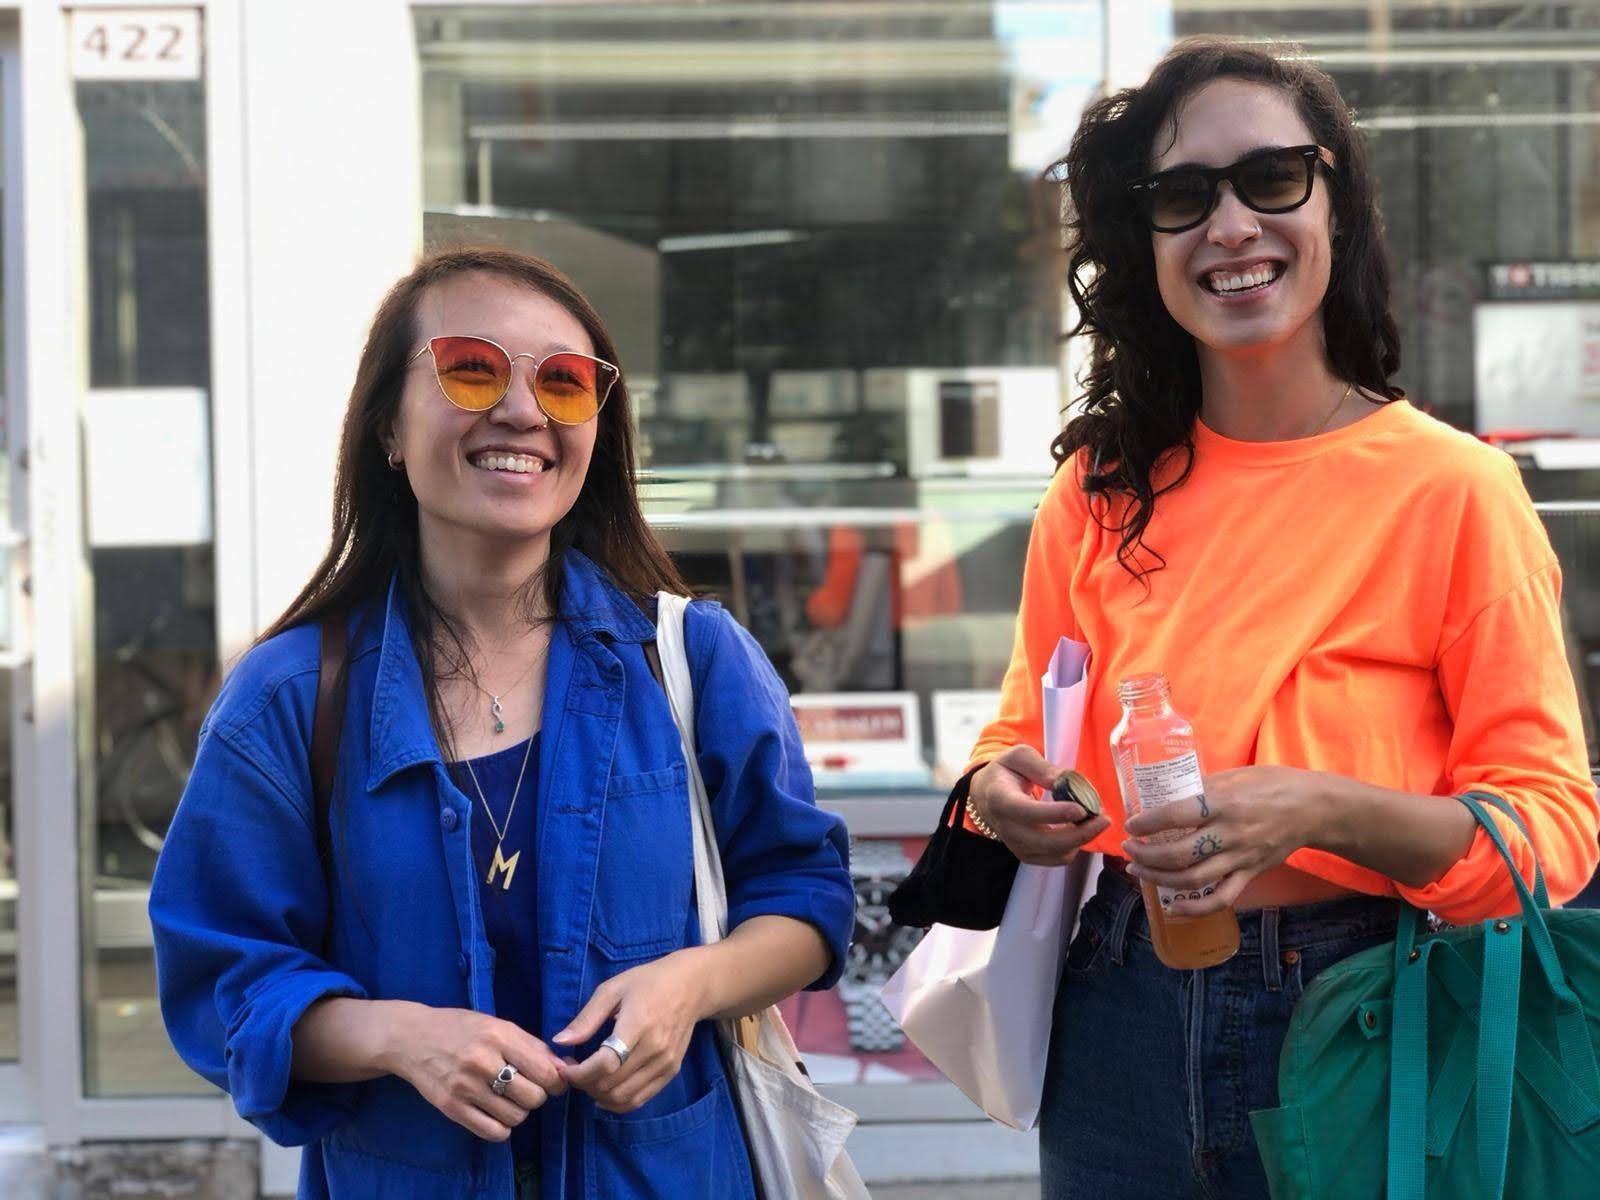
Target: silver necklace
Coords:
[(502, 864), (496, 712)]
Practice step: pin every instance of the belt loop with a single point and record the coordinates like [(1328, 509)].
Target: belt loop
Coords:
[(1271, 962), (1119, 927)]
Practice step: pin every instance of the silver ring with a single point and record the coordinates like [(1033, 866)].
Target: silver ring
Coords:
[(618, 1047), (500, 1082)]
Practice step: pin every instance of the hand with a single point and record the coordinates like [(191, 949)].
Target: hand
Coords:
[(1246, 822), (654, 1009), (450, 1055), (1044, 832)]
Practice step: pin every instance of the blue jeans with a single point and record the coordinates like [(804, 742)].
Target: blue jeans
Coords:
[(1153, 1072)]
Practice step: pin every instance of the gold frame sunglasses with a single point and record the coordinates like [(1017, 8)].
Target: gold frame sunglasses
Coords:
[(474, 373)]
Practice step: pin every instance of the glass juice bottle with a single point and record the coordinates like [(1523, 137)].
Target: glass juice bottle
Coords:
[(1157, 764)]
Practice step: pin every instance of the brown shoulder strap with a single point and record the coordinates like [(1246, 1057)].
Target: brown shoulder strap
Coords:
[(326, 724)]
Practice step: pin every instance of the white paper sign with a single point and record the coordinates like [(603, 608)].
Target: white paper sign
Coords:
[(958, 718), (147, 466), (859, 731), (136, 43)]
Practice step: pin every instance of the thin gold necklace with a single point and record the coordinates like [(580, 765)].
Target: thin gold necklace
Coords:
[(501, 863), (1348, 388)]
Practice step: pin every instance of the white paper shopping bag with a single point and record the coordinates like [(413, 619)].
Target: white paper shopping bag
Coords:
[(978, 1002)]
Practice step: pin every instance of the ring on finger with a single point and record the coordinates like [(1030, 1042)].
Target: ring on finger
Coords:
[(618, 1047), (500, 1082)]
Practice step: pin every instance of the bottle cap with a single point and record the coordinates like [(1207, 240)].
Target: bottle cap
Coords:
[(1071, 787)]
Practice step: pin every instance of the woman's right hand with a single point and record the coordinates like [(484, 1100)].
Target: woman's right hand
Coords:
[(450, 1055), (1037, 830)]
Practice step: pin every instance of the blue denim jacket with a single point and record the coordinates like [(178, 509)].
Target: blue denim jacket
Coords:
[(240, 904)]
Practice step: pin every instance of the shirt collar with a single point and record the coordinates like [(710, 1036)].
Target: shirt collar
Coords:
[(401, 730)]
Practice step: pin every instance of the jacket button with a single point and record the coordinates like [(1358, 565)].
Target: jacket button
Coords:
[(461, 964), (448, 818)]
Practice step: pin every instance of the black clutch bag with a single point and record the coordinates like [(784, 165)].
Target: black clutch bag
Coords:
[(962, 879)]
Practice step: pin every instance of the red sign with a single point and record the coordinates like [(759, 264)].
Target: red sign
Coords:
[(861, 723)]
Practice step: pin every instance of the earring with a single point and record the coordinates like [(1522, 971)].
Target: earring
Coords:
[(395, 462)]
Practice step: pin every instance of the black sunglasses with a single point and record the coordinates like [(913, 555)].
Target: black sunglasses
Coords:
[(1268, 181)]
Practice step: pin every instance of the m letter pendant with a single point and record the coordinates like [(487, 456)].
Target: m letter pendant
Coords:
[(501, 863)]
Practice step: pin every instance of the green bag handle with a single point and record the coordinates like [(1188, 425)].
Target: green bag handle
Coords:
[(1499, 1006)]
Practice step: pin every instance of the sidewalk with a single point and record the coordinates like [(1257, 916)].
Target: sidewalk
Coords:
[(1016, 1189)]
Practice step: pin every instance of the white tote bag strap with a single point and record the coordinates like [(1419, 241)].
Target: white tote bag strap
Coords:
[(711, 893)]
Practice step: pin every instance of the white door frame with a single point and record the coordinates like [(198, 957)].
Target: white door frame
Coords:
[(16, 1094)]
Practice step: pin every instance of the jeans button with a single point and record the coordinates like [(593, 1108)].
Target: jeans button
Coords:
[(448, 818)]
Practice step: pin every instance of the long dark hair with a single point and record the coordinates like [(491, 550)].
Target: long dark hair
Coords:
[(375, 530), (1142, 386)]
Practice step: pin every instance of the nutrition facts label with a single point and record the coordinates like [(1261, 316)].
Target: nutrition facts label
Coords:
[(1163, 782)]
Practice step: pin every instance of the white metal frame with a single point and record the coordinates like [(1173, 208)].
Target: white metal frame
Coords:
[(16, 1094), (43, 315)]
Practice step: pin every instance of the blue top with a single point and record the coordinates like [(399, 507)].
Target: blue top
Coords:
[(240, 903), (506, 870)]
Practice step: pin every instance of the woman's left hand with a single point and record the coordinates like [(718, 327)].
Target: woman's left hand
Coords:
[(1247, 822), (654, 1008)]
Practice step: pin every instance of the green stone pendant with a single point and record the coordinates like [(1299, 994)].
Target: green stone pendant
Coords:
[(497, 714)]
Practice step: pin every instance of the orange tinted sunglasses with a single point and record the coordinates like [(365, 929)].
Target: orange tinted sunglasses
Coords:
[(474, 374)]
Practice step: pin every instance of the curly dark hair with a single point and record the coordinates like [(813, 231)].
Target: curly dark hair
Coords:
[(1142, 387)]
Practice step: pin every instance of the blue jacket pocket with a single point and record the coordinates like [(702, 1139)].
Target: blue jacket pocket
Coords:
[(695, 1153), (646, 868)]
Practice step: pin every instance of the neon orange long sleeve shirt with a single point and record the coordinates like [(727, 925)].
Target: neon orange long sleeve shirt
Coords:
[(1380, 602)]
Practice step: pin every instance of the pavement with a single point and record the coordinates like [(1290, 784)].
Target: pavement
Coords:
[(1004, 1189)]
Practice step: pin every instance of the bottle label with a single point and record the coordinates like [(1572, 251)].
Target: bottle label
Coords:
[(1166, 782)]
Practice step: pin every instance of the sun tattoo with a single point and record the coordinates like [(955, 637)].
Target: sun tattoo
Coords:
[(1206, 845)]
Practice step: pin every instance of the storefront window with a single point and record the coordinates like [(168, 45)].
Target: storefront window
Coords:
[(150, 644), (813, 230)]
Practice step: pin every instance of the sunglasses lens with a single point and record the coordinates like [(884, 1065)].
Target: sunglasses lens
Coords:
[(1274, 181), (473, 373), (572, 387), (1179, 200)]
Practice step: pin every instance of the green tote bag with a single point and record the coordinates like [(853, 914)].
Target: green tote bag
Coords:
[(1459, 1064)]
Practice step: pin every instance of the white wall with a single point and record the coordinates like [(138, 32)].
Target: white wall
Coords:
[(316, 209)]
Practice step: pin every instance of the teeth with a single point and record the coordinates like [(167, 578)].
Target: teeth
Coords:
[(1233, 283), (515, 463)]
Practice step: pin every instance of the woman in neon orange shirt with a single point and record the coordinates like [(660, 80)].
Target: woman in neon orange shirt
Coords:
[(1357, 608)]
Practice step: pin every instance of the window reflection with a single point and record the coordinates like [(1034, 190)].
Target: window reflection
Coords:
[(153, 635), (811, 230)]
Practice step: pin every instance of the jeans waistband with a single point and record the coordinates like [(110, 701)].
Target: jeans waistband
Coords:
[(1263, 932)]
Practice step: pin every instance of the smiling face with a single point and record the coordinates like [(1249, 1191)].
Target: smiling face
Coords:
[(505, 476), (1243, 281)]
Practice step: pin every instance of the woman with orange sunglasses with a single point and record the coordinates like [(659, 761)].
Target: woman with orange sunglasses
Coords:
[(496, 987)]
